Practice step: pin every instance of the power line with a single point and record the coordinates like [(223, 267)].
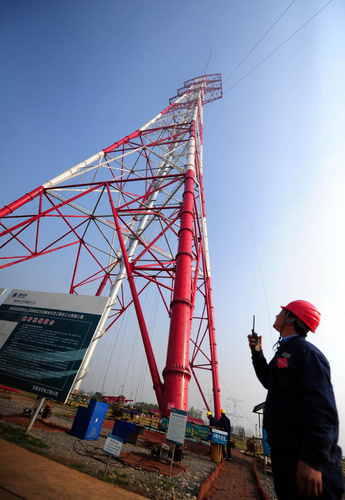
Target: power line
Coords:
[(277, 48), (239, 64), (208, 62), (255, 248)]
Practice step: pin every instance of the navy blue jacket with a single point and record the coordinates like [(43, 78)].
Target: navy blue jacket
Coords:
[(212, 421), (224, 424), (300, 410)]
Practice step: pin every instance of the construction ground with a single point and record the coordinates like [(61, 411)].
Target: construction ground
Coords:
[(28, 475)]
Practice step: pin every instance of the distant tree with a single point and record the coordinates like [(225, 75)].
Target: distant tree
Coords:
[(82, 392), (97, 395), (192, 412), (141, 405)]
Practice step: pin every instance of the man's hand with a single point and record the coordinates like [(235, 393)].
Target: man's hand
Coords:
[(309, 480), (251, 340)]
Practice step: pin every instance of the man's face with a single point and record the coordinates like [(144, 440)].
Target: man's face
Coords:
[(277, 325)]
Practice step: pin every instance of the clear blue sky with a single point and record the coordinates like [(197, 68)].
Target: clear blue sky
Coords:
[(76, 76)]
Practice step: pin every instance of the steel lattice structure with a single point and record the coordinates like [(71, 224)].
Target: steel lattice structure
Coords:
[(133, 215)]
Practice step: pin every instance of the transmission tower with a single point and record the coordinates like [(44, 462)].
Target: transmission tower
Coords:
[(234, 413), (133, 216)]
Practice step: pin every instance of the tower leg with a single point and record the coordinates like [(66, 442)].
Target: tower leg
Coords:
[(176, 372)]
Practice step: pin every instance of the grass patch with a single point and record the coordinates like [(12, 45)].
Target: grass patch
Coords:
[(21, 438), (121, 478), (166, 485), (117, 478), (240, 446)]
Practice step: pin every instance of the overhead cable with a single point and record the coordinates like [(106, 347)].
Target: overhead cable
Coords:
[(239, 64), (277, 48)]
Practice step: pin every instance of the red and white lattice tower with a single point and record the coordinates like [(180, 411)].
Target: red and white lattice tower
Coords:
[(133, 215)]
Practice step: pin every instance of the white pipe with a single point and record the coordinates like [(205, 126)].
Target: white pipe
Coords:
[(72, 171)]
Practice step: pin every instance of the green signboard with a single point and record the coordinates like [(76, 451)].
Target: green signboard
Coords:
[(44, 338), (201, 432)]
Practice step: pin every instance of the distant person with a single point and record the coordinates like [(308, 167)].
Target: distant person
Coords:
[(212, 423), (300, 417), (224, 424), (211, 420)]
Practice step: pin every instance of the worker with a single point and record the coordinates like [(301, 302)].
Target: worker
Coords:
[(212, 424), (224, 424), (300, 417), (212, 421)]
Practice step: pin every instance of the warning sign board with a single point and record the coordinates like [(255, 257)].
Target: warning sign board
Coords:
[(44, 338)]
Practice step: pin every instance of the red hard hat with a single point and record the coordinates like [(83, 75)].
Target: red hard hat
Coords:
[(306, 312)]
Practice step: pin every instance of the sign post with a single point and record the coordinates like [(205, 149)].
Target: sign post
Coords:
[(36, 412), (220, 438), (176, 430), (112, 446)]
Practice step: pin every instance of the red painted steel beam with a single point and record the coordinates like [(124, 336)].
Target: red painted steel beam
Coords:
[(213, 348), (210, 308), (157, 384), (8, 209)]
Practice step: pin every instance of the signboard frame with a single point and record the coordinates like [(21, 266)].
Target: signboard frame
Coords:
[(45, 337), (177, 426), (219, 437), (113, 445), (176, 430)]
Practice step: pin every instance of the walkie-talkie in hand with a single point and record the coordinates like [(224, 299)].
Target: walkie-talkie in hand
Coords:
[(256, 337)]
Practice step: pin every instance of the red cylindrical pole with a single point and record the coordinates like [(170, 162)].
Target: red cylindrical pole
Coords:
[(176, 372)]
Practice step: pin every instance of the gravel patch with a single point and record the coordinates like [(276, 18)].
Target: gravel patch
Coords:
[(268, 485)]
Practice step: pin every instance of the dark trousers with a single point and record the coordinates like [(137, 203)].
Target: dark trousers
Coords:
[(227, 449), (284, 466)]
